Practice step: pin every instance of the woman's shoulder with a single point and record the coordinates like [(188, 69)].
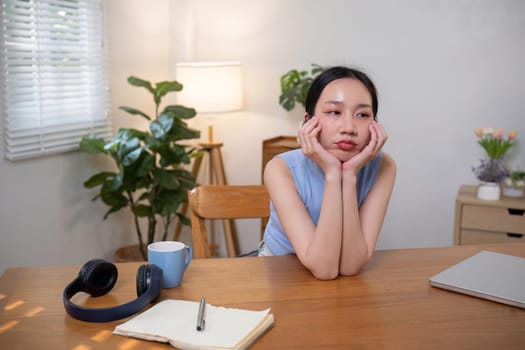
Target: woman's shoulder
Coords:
[(287, 163), (293, 155), (290, 159), (387, 160), (274, 166), (286, 158), (388, 164)]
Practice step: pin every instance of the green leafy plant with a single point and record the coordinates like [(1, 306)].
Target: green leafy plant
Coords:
[(150, 178), (515, 179), (295, 85)]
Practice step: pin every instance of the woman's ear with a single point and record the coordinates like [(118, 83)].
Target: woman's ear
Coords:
[(307, 117)]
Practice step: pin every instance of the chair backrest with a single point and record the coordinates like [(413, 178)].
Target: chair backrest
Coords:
[(224, 202)]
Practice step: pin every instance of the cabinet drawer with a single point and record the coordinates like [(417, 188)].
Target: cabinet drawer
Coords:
[(500, 219), (480, 237)]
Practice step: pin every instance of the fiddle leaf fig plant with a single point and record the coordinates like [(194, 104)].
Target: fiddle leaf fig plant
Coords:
[(295, 85), (150, 177)]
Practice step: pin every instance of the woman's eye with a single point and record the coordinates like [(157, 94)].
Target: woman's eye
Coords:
[(333, 112), (363, 115)]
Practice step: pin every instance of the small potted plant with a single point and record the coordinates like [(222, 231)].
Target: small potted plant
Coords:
[(150, 176), (295, 85), (491, 171), (514, 184)]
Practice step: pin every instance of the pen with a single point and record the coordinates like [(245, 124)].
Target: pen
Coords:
[(200, 315)]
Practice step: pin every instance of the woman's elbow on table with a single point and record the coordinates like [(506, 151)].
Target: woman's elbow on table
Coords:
[(355, 263), (325, 274), (352, 269)]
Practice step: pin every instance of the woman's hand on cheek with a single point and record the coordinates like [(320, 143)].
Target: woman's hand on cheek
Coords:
[(309, 140), (379, 141), (378, 138)]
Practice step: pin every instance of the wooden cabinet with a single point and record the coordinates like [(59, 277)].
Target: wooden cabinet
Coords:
[(275, 145), (481, 221)]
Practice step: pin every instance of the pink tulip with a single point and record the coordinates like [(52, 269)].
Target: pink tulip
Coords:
[(478, 132), (512, 135), (498, 133)]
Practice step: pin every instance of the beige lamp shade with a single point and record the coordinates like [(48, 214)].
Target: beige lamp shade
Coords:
[(210, 87)]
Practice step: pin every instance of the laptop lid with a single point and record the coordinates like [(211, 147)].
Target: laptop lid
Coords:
[(488, 275)]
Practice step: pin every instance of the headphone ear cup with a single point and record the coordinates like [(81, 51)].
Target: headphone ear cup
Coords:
[(142, 280), (97, 277), (149, 279)]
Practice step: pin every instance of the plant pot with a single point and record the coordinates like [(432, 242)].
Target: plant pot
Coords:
[(129, 253), (512, 192), (490, 191)]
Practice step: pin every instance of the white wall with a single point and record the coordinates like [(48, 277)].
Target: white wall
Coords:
[(442, 69)]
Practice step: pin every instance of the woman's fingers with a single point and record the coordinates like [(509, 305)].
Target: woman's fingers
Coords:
[(378, 138), (308, 135), (381, 133)]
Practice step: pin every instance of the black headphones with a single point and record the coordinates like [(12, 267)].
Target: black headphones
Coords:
[(97, 277)]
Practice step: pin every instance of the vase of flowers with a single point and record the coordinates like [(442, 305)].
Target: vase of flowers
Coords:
[(491, 170), (514, 184)]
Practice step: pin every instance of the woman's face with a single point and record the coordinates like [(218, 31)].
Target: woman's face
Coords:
[(344, 110)]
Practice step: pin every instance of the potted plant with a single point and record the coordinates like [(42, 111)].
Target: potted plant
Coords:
[(491, 171), (295, 85), (150, 178), (294, 89), (514, 184)]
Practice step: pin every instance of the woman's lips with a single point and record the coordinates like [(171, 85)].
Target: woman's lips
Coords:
[(346, 145)]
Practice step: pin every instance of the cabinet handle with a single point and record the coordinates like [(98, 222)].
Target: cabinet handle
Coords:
[(514, 235), (519, 212)]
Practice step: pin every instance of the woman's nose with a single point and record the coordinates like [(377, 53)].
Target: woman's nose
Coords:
[(348, 125)]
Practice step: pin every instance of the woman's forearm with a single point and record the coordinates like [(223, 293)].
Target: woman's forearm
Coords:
[(324, 249), (354, 249)]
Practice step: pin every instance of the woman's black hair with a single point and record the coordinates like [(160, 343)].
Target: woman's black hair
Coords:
[(334, 73)]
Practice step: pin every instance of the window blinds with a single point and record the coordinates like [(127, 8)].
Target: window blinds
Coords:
[(54, 75)]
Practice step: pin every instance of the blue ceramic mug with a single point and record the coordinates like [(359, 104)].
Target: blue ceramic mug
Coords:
[(173, 258)]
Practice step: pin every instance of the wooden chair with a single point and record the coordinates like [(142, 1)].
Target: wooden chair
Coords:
[(211, 202)]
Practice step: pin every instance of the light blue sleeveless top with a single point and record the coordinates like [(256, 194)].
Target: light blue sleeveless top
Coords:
[(310, 189)]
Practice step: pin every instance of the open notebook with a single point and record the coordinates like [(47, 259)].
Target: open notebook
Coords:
[(174, 322), (488, 275)]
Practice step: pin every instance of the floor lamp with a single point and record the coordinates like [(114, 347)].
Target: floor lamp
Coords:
[(211, 88)]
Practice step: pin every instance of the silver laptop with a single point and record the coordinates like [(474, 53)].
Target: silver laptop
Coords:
[(488, 275)]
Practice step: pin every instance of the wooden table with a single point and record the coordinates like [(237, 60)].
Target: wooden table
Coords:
[(389, 305)]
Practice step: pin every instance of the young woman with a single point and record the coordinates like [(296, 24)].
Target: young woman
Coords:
[(329, 198)]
